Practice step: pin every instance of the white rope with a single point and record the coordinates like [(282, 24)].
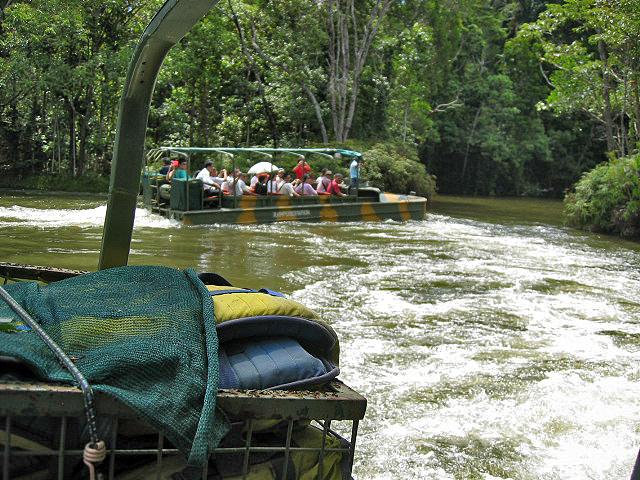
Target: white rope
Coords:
[(93, 455)]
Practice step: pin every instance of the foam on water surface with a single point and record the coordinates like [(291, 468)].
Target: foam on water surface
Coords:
[(482, 351), (16, 215)]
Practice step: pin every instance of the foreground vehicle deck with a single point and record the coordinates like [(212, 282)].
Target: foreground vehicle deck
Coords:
[(334, 409), (334, 403)]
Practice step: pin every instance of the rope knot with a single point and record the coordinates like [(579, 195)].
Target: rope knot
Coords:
[(93, 455)]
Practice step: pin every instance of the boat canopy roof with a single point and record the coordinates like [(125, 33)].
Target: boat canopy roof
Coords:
[(263, 150)]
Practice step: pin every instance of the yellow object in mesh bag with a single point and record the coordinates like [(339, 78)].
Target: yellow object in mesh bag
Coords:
[(242, 313), (303, 465), (80, 333)]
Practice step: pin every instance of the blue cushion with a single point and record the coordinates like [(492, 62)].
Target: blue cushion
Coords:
[(267, 363)]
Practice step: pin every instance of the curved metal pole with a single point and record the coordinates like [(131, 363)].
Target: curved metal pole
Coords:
[(170, 24), (292, 152), (258, 152), (322, 155)]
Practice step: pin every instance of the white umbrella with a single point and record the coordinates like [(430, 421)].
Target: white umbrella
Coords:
[(262, 167)]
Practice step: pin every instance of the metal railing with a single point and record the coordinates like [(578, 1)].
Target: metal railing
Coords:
[(22, 401)]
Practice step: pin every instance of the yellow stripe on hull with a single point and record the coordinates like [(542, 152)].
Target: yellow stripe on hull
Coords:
[(391, 206)]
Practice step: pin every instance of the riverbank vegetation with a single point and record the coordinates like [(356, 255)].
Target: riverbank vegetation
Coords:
[(396, 168), (607, 198), (59, 182), (492, 97)]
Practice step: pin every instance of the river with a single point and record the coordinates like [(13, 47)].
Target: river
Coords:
[(490, 341)]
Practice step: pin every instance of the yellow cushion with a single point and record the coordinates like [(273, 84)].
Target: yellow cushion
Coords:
[(241, 305)]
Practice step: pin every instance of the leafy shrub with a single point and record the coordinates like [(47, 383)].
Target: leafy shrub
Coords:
[(396, 168), (607, 198)]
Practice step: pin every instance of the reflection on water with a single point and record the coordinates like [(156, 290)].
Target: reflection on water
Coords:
[(491, 342)]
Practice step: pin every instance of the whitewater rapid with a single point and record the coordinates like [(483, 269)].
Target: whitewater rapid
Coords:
[(486, 351)]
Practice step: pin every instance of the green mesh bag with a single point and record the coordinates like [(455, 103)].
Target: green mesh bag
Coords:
[(144, 335)]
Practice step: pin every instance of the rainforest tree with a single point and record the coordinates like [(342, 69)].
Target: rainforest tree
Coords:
[(496, 97)]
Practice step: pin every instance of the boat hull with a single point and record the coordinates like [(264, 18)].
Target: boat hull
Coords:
[(390, 206)]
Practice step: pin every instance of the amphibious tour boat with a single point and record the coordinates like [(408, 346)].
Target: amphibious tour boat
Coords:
[(186, 200)]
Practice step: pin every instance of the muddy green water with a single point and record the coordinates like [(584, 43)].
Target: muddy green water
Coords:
[(491, 342)]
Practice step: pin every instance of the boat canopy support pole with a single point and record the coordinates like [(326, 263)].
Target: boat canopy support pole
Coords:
[(170, 24)]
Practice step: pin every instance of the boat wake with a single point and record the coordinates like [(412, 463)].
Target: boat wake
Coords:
[(17, 215)]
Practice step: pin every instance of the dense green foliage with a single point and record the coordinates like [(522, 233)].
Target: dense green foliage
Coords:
[(607, 198), (503, 97), (396, 168)]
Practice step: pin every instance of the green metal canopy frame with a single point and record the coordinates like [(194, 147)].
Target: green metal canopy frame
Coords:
[(168, 26), (297, 151)]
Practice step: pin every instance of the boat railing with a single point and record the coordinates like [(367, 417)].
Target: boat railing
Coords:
[(154, 155), (335, 411)]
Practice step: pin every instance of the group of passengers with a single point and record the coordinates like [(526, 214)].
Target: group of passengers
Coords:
[(281, 183)]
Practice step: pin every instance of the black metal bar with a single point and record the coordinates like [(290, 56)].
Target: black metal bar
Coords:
[(245, 466), (63, 442), (112, 450), (326, 426), (205, 469), (7, 448), (149, 452), (277, 449), (159, 456), (287, 449), (15, 271), (174, 451), (354, 435)]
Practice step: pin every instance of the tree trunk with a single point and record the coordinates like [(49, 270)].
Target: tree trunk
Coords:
[(252, 65), (72, 138), (100, 153), (32, 132), (205, 121), (318, 112), (466, 154), (636, 110), (4, 4), (332, 83), (83, 129), (12, 137), (606, 93), (348, 49), (404, 123)]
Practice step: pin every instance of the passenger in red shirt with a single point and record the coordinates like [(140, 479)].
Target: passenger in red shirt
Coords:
[(302, 168), (334, 186)]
